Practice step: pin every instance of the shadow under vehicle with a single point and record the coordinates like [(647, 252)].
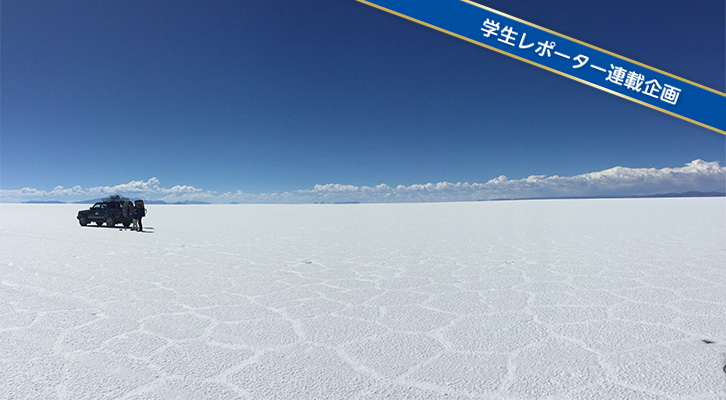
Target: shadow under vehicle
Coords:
[(110, 210)]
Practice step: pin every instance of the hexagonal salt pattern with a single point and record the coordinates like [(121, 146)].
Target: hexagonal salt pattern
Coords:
[(558, 299)]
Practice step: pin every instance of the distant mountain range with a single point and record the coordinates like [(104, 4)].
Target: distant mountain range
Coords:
[(92, 201), (644, 196), (684, 194), (177, 203)]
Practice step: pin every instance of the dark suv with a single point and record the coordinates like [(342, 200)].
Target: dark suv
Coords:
[(113, 210)]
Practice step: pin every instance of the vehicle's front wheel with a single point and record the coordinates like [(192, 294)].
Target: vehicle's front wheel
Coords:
[(110, 222), (82, 220)]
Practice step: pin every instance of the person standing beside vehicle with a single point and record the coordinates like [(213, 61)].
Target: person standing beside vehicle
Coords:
[(126, 211), (140, 212), (134, 218)]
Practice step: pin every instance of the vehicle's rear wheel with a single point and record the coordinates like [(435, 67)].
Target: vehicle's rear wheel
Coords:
[(82, 220), (110, 222)]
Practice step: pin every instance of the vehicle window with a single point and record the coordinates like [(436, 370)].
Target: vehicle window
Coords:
[(97, 205), (103, 206)]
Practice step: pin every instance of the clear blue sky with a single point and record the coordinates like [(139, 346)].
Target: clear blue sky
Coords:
[(273, 95)]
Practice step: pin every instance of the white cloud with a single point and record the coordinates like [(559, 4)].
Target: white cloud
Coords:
[(150, 187), (335, 187), (697, 175)]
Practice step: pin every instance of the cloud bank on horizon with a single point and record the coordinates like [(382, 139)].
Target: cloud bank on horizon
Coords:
[(697, 175)]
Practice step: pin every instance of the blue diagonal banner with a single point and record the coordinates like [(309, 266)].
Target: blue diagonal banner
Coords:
[(566, 56)]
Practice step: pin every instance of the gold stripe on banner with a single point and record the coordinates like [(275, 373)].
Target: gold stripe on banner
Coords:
[(456, 35)]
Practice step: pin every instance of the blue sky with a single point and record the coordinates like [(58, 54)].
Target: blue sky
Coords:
[(278, 96)]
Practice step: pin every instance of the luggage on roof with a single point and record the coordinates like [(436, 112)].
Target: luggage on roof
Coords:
[(114, 198)]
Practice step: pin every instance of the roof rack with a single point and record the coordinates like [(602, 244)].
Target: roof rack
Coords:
[(115, 197)]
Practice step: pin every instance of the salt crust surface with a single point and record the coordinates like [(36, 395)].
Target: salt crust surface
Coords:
[(559, 299)]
